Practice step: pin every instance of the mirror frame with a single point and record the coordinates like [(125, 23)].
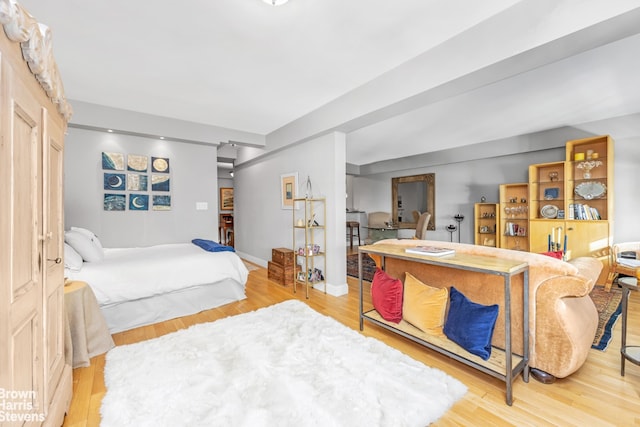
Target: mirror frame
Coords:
[(430, 180)]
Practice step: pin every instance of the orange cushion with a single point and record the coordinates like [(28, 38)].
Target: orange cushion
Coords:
[(424, 306)]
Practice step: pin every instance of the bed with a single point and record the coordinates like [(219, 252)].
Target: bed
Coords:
[(140, 286)]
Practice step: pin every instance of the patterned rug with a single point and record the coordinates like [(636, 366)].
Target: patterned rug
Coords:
[(368, 267), (609, 308)]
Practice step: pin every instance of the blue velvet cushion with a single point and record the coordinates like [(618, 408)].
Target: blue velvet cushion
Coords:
[(469, 324), (211, 246)]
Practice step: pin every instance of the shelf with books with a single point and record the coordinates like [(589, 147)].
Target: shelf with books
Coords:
[(514, 216), (574, 196)]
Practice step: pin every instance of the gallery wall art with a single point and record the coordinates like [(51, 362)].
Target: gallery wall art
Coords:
[(126, 182)]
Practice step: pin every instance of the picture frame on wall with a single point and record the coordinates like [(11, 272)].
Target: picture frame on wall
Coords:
[(226, 198), (288, 189)]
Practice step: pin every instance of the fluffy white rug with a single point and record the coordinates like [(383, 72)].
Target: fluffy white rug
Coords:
[(284, 365)]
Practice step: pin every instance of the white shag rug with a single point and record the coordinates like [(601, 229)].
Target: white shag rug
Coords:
[(284, 365)]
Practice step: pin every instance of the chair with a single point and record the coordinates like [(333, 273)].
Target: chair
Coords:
[(620, 265), (378, 227), (421, 227), (351, 226), (378, 219), (225, 230)]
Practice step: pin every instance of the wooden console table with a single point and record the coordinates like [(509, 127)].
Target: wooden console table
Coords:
[(503, 364)]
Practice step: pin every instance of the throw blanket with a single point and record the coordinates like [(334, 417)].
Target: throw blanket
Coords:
[(211, 246)]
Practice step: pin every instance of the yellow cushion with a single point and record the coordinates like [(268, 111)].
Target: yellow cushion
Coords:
[(424, 306)]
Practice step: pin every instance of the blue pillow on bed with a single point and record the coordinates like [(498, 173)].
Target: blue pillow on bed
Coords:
[(470, 324), (211, 246)]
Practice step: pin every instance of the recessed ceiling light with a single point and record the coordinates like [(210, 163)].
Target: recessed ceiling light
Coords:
[(275, 2), (162, 137), (110, 130)]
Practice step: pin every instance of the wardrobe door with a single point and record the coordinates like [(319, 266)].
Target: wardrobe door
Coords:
[(53, 284), (22, 242)]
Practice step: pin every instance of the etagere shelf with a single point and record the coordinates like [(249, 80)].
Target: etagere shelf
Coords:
[(310, 242)]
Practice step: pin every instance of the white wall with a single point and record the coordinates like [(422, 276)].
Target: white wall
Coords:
[(193, 179), (460, 185), (260, 222)]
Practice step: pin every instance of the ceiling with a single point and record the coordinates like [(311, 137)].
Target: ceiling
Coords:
[(498, 69)]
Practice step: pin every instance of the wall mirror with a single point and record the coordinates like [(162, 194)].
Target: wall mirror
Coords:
[(412, 195)]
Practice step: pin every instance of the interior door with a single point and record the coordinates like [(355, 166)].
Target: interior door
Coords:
[(22, 249), (53, 233)]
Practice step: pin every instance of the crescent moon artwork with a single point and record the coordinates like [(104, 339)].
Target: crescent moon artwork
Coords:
[(138, 202), (160, 164), (114, 181)]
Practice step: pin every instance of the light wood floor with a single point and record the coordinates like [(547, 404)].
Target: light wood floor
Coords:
[(596, 395)]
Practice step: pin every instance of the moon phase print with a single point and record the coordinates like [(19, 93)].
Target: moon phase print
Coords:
[(160, 183), (160, 164), (138, 202), (113, 161), (114, 202), (114, 181)]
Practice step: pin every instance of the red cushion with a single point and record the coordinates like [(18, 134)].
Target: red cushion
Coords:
[(386, 295), (554, 254)]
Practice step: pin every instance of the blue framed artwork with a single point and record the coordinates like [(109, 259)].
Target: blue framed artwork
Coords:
[(137, 163), (137, 182), (138, 202), (114, 202), (160, 164), (114, 181), (113, 161), (551, 193), (160, 183), (161, 203)]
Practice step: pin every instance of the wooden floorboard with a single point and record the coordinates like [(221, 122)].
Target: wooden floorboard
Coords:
[(596, 395)]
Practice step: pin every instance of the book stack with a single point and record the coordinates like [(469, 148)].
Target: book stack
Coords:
[(430, 251), (583, 211)]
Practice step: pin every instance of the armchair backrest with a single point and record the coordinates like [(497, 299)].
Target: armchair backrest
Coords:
[(421, 227), (378, 219)]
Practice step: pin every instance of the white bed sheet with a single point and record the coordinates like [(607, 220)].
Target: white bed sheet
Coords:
[(128, 274)]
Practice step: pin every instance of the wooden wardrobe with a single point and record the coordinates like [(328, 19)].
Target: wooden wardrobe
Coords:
[(35, 378)]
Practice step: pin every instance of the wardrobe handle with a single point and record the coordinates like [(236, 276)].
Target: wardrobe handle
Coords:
[(56, 260)]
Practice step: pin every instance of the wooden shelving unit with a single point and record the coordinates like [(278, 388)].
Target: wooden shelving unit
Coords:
[(580, 192), (486, 218), (514, 216)]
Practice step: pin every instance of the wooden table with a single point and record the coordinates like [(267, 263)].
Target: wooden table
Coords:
[(503, 364), (89, 334)]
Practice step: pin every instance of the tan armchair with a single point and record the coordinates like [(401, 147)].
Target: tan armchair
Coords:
[(378, 219), (421, 227), (621, 265)]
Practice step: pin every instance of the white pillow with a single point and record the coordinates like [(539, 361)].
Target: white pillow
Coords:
[(91, 235), (89, 251), (72, 259)]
